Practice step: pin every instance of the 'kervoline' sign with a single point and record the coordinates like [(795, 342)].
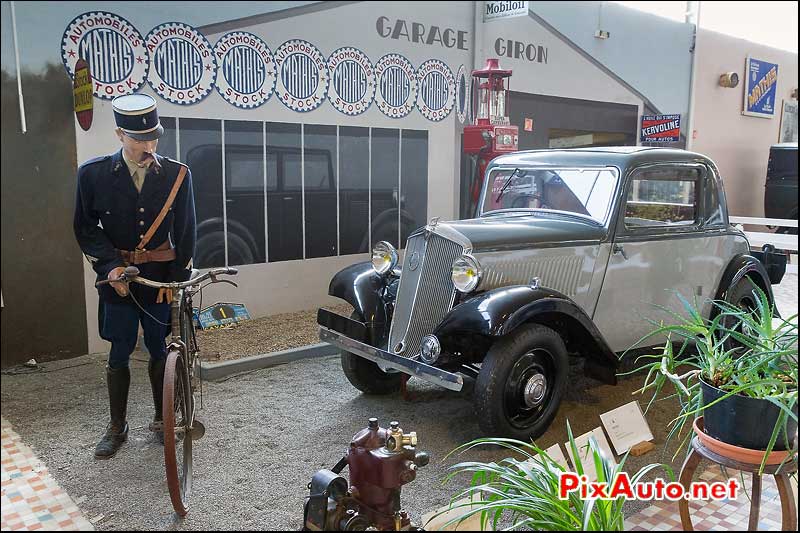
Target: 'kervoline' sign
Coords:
[(498, 10), (661, 128)]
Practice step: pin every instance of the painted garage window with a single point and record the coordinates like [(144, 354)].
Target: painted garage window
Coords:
[(319, 178), (199, 145), (298, 191), (354, 189), (385, 185), (244, 192)]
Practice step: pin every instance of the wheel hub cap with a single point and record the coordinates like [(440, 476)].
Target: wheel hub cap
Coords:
[(535, 390)]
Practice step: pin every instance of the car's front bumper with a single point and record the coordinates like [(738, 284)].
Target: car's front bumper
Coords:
[(328, 321)]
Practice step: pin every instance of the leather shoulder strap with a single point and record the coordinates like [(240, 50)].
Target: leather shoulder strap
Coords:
[(164, 210)]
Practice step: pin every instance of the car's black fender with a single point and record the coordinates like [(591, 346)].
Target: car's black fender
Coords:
[(498, 312), (366, 290), (740, 266)]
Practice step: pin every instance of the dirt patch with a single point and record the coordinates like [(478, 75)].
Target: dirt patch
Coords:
[(263, 335)]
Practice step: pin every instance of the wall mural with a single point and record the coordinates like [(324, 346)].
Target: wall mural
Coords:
[(302, 75), (245, 69), (397, 85), (437, 90), (353, 87), (182, 67), (113, 48), (462, 94)]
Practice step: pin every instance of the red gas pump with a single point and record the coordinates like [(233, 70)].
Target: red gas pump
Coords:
[(491, 133)]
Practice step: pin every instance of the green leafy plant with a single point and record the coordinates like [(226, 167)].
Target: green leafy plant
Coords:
[(748, 352), (525, 489)]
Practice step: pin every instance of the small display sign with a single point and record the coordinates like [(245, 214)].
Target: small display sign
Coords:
[(528, 124), (222, 314), (83, 98), (760, 89), (661, 128), (501, 10)]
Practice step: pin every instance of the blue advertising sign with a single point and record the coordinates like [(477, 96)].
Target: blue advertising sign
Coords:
[(661, 128), (222, 314), (760, 89)]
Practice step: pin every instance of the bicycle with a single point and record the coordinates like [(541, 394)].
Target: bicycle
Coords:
[(178, 407)]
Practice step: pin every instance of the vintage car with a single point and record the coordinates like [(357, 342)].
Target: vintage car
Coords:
[(569, 255)]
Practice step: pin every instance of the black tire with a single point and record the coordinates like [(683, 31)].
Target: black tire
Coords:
[(211, 250), (532, 352), (740, 295), (366, 376)]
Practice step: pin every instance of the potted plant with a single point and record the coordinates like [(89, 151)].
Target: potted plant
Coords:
[(742, 376), (525, 489)]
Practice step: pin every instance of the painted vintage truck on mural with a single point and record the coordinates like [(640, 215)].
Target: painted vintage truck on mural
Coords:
[(570, 253)]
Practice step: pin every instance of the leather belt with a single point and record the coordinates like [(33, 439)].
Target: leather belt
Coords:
[(161, 254)]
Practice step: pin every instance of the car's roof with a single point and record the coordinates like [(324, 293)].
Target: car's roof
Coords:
[(784, 146), (619, 156)]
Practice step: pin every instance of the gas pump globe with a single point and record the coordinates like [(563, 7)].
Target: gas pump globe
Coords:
[(491, 133)]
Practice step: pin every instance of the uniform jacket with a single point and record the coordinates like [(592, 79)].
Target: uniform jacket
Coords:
[(106, 195)]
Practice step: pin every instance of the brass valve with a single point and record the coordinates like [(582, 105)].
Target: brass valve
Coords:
[(397, 439)]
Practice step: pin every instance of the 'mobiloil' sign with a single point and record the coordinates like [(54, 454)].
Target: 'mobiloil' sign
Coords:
[(497, 10)]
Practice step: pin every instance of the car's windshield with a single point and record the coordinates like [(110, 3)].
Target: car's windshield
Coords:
[(583, 191)]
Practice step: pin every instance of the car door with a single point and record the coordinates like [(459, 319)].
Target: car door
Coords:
[(663, 244)]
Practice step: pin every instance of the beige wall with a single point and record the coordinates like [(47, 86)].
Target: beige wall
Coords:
[(738, 144)]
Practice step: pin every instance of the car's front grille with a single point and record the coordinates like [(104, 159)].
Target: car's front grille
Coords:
[(426, 291)]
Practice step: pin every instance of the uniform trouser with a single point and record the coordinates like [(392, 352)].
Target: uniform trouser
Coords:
[(119, 325)]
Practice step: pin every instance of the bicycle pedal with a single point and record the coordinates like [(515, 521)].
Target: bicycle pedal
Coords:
[(198, 430)]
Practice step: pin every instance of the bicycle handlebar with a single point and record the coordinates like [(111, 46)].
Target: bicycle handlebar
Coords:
[(132, 274)]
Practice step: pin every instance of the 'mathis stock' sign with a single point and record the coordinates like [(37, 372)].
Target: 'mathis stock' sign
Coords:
[(499, 10)]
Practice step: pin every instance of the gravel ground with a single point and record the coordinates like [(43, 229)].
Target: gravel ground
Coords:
[(263, 335), (267, 433)]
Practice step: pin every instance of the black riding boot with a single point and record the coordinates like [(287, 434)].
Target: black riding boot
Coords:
[(119, 380), (156, 370)]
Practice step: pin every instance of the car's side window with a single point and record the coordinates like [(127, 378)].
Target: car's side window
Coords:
[(663, 197), (711, 200)]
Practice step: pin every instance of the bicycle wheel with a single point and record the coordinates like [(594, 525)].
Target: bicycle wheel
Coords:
[(177, 411)]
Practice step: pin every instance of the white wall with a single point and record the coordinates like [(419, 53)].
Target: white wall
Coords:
[(738, 144)]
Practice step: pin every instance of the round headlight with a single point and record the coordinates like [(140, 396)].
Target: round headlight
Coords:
[(466, 273), (384, 257)]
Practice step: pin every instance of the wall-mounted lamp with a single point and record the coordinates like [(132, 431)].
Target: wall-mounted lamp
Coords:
[(794, 93), (602, 34), (729, 80)]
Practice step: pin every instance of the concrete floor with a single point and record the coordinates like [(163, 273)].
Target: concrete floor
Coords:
[(267, 433)]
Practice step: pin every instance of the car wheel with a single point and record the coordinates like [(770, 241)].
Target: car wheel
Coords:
[(211, 250), (742, 296), (366, 376), (521, 383)]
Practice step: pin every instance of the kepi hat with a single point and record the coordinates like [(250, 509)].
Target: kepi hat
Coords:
[(136, 115)]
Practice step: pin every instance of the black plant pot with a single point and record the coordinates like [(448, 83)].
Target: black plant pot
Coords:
[(743, 421)]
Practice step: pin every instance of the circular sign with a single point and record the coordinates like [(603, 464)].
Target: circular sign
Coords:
[(82, 95), (245, 69), (113, 49), (183, 68), (302, 75), (397, 85), (462, 94), (353, 81), (437, 90), (223, 312)]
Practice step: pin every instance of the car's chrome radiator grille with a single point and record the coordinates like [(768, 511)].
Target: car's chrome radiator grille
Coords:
[(426, 291)]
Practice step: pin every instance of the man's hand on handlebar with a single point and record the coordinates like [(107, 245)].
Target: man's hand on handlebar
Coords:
[(165, 295), (121, 287)]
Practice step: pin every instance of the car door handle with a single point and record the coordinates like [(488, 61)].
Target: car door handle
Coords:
[(618, 249)]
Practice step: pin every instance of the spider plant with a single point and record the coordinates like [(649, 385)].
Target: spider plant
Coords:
[(739, 351), (525, 489)]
